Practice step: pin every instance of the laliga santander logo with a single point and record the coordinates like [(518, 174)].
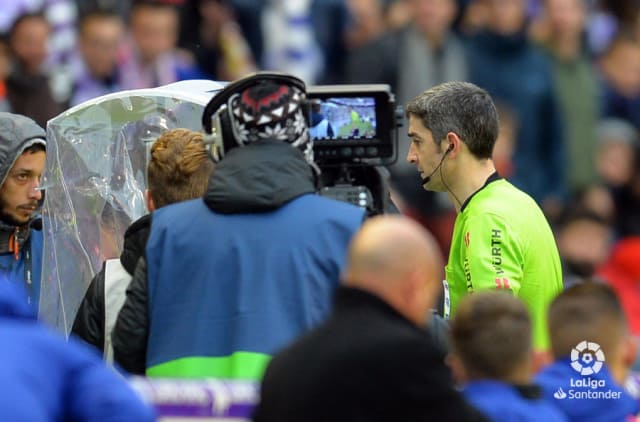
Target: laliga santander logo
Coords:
[(587, 358)]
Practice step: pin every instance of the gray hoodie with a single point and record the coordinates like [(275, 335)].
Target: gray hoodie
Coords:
[(17, 133)]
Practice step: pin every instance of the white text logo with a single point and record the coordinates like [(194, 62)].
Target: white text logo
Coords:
[(587, 358)]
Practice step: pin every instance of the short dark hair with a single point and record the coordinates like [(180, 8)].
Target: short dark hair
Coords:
[(462, 108), (587, 311), (38, 15), (97, 13), (622, 37), (154, 4), (491, 333)]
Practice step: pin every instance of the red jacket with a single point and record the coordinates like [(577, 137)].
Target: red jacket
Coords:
[(622, 272)]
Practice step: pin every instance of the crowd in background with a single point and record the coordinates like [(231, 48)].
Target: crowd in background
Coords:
[(565, 75)]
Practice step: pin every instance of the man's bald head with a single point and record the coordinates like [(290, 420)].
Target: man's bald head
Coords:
[(398, 260)]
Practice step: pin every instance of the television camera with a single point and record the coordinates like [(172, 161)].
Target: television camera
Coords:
[(353, 127), (355, 133)]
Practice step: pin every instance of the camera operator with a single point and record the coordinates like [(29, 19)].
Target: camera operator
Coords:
[(230, 278)]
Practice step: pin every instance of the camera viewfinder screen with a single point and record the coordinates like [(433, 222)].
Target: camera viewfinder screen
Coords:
[(343, 118)]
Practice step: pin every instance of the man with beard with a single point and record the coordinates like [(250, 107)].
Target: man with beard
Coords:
[(22, 161)]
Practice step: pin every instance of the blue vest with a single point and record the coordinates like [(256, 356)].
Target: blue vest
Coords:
[(27, 268), (223, 284)]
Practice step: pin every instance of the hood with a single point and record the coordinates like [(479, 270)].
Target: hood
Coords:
[(17, 133), (135, 241), (259, 177), (13, 301)]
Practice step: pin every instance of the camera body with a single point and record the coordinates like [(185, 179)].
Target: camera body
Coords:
[(353, 129)]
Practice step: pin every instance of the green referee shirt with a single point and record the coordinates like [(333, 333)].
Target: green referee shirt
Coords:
[(502, 240)]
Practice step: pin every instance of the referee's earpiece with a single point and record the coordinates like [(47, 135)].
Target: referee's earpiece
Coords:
[(426, 179)]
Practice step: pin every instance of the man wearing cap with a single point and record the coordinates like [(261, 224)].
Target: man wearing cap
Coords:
[(229, 279), (22, 161)]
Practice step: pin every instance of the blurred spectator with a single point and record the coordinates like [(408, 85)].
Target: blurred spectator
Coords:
[(306, 38), (120, 7), (397, 13), (626, 12), (152, 58), (561, 32), (617, 141), (592, 352), (598, 199), (62, 18), (622, 272), (28, 89), (290, 42), (602, 26), (415, 57), (179, 169), (504, 62), (627, 201), (371, 360), (472, 17), (96, 71), (45, 378), (615, 163), (505, 144), (367, 22), (584, 240), (5, 69), (493, 358), (620, 78), (210, 32)]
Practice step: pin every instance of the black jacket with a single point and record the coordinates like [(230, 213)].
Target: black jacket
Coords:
[(365, 363), (89, 321)]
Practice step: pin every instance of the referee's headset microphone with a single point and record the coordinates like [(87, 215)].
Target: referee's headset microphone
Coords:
[(426, 179)]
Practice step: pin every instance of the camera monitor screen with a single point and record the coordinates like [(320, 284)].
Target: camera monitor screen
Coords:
[(352, 123), (343, 118)]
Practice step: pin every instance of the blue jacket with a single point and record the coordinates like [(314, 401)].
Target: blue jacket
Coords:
[(503, 402), (45, 378), (574, 394), (231, 279), (19, 133), (27, 267)]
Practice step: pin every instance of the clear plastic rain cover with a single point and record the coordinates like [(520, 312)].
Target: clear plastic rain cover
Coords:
[(95, 180)]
